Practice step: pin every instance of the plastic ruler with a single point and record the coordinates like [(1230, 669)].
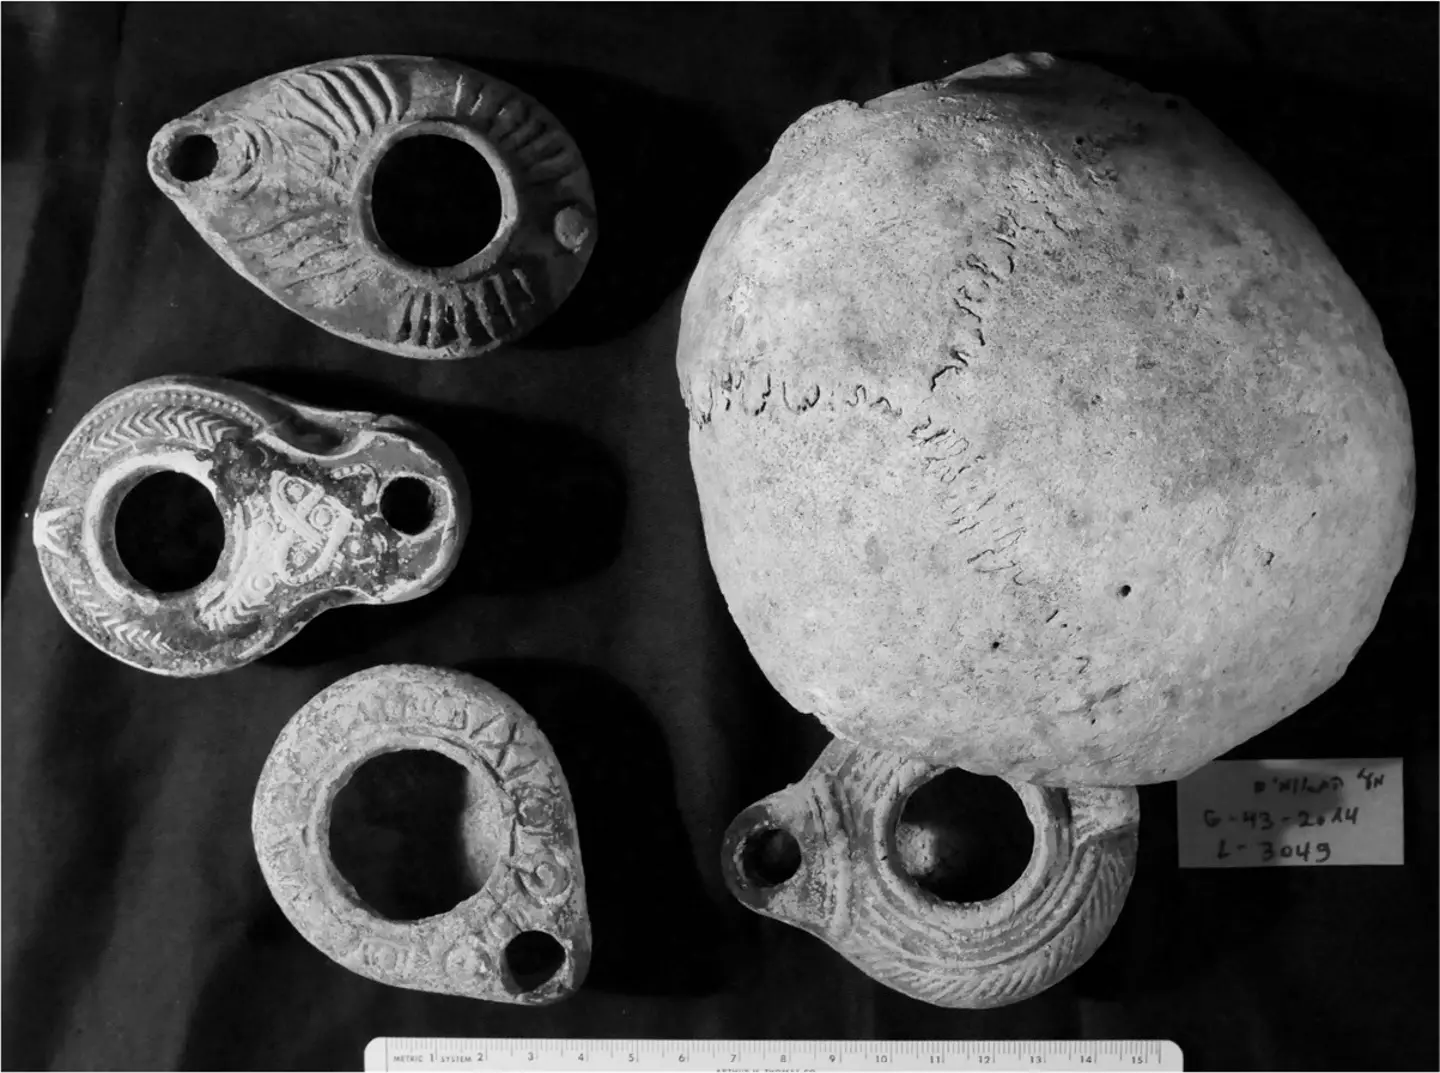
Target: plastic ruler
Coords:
[(790, 1056)]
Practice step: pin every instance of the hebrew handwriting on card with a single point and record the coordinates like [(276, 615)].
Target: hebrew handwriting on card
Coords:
[(1267, 813)]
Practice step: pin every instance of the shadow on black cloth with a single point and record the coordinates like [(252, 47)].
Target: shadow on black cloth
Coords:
[(655, 931), (547, 507), (21, 69), (73, 138), (109, 806), (1349, 188), (1156, 938), (663, 172)]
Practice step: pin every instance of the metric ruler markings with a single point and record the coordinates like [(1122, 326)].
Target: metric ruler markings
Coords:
[(414, 1053)]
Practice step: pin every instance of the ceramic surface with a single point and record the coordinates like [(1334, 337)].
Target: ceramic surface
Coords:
[(853, 887), (1036, 431), (519, 835), (303, 494), (287, 200)]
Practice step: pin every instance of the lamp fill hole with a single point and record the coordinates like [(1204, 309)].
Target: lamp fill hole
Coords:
[(168, 532), (964, 837), (435, 201), (398, 835)]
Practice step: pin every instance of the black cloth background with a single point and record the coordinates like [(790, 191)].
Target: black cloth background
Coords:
[(138, 932)]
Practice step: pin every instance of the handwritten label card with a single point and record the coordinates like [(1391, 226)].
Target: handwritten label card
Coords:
[(1263, 813)]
